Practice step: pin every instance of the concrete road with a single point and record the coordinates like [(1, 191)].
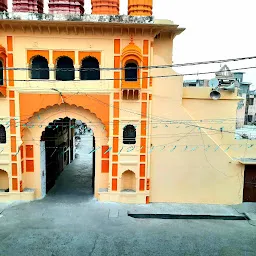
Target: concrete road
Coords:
[(70, 222)]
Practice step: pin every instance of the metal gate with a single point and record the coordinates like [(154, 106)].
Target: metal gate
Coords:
[(250, 183)]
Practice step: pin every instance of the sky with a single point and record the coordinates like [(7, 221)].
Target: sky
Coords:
[(219, 29)]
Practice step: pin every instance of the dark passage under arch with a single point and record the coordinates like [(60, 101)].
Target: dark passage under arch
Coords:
[(129, 134), (2, 134)]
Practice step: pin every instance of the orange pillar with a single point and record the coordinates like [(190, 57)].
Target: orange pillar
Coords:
[(109, 7), (140, 7)]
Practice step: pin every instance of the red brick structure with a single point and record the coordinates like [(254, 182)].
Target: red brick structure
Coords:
[(32, 6), (66, 6), (3, 5)]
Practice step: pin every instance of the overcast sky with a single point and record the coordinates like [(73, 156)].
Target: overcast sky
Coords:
[(218, 29)]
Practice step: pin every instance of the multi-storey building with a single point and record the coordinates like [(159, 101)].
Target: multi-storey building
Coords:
[(154, 141)]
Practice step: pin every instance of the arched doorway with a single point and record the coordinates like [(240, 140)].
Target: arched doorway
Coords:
[(44, 128)]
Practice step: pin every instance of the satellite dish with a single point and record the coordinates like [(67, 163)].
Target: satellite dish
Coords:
[(214, 83)]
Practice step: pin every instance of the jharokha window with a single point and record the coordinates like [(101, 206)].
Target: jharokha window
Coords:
[(2, 134), (39, 68), (65, 69), (90, 69), (129, 134), (131, 71)]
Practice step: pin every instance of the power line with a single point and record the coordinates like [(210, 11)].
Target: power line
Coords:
[(139, 67), (114, 79)]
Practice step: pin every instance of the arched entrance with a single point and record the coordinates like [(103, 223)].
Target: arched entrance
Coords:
[(42, 127)]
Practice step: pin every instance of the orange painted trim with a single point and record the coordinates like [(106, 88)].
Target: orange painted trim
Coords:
[(12, 108), (21, 152), (58, 54), (14, 184), (147, 199), (21, 186), (145, 80), (11, 94), (116, 109), (143, 145), (114, 184), (114, 169), (9, 43), (13, 126), (142, 170), (142, 184), (97, 104), (117, 62), (14, 158), (22, 166), (117, 46), (14, 169), (145, 47), (29, 165), (150, 81), (83, 55), (10, 60), (103, 150), (144, 109), (148, 184), (142, 158), (115, 158), (104, 166), (116, 96), (13, 144), (116, 128), (116, 80), (145, 63), (29, 151), (150, 96), (143, 128), (144, 96), (115, 144), (33, 53)]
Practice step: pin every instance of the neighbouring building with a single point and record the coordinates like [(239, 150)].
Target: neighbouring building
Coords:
[(154, 140)]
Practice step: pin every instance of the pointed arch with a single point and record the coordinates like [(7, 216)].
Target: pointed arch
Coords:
[(4, 180)]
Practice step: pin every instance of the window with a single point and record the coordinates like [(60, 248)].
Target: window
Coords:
[(131, 72), (249, 118), (39, 68), (91, 69), (1, 73), (251, 101), (129, 134), (65, 69), (2, 134), (130, 94)]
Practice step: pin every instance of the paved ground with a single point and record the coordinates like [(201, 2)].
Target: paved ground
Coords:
[(70, 222)]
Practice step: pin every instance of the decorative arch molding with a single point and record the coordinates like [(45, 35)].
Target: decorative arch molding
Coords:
[(3, 54), (55, 112), (84, 55), (39, 102), (59, 54), (31, 54), (131, 54)]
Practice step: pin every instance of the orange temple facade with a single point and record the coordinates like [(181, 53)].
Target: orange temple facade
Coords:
[(136, 112)]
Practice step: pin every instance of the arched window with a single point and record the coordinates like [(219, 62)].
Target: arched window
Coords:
[(39, 68), (65, 69), (129, 134), (92, 71), (1, 73), (2, 134), (131, 71)]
